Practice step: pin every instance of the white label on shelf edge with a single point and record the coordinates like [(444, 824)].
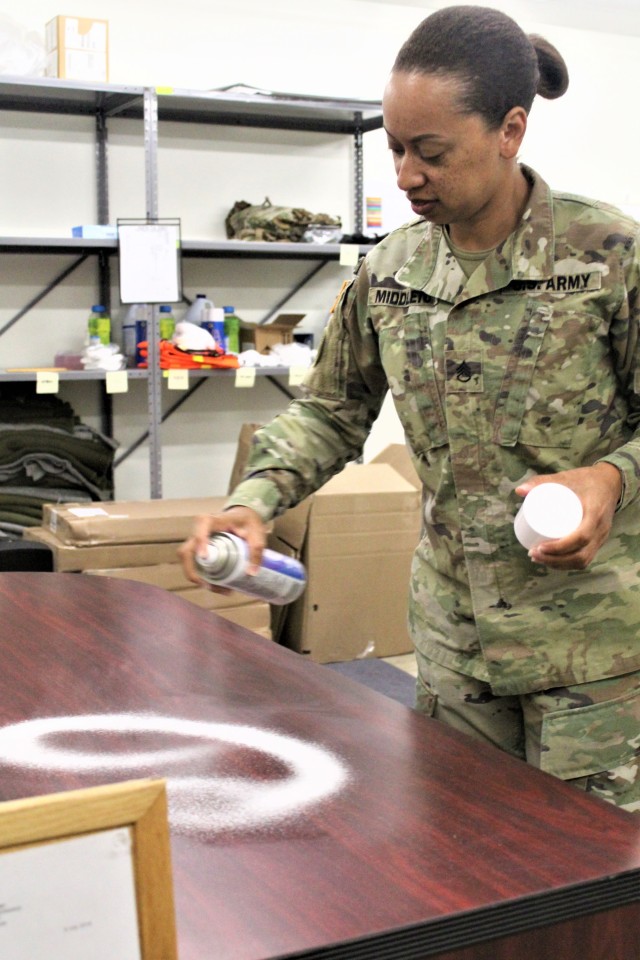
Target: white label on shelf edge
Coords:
[(245, 376)]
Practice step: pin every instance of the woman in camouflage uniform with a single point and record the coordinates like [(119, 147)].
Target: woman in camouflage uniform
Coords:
[(504, 320)]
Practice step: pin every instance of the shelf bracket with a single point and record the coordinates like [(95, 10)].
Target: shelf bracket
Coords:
[(43, 293), (301, 283), (144, 436)]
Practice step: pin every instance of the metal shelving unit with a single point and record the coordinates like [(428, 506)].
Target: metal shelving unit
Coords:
[(237, 107)]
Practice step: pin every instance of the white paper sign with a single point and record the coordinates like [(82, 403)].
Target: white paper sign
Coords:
[(149, 262), (70, 900)]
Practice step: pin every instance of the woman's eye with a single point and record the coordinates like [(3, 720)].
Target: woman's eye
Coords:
[(434, 159)]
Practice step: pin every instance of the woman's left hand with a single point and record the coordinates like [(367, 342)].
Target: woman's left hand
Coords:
[(599, 488)]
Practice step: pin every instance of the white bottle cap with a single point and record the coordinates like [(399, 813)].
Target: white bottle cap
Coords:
[(548, 512)]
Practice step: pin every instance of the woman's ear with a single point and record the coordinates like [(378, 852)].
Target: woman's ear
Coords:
[(512, 132)]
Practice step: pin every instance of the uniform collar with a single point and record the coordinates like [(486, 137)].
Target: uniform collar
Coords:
[(528, 254)]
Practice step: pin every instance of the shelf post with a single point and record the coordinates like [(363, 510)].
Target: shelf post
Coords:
[(154, 382), (358, 191)]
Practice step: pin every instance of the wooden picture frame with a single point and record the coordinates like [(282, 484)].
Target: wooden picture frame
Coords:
[(140, 806)]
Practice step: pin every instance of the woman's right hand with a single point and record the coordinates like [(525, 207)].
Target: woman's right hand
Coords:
[(242, 521)]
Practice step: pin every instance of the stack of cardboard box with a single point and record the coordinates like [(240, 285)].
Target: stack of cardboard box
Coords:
[(139, 541), (356, 537)]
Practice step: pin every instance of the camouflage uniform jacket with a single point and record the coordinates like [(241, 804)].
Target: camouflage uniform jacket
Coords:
[(532, 366)]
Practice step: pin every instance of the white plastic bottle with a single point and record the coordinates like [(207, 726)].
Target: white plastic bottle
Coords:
[(197, 311)]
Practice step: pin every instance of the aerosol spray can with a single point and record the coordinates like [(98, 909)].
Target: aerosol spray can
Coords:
[(279, 579)]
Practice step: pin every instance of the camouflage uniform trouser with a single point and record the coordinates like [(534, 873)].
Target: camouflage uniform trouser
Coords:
[(588, 735)]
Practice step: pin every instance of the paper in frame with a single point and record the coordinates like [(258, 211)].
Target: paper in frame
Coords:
[(91, 818)]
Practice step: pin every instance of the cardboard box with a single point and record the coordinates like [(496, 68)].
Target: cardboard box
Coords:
[(75, 559), (362, 528), (243, 449), (77, 49), (397, 455), (246, 611), (135, 522), (212, 600), (170, 576), (250, 613), (251, 616), (263, 337)]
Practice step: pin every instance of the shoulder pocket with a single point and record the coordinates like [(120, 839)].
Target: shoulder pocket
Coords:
[(327, 377)]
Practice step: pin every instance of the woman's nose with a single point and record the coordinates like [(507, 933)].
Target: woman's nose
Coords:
[(409, 173)]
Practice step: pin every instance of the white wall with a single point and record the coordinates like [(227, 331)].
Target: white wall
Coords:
[(585, 143)]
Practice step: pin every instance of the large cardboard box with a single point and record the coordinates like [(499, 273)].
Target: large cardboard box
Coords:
[(77, 49), (144, 521), (397, 455), (243, 450), (251, 616), (356, 536), (359, 536), (68, 558)]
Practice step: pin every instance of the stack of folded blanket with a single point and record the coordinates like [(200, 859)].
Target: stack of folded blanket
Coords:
[(47, 455)]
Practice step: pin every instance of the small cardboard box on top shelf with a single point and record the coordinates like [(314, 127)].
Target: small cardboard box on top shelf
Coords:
[(77, 49), (262, 337)]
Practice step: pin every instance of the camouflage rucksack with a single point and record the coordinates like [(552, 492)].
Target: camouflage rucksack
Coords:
[(268, 222)]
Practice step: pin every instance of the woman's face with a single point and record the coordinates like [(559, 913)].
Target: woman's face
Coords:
[(451, 166)]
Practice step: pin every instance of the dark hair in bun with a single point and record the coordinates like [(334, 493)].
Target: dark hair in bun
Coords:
[(496, 64)]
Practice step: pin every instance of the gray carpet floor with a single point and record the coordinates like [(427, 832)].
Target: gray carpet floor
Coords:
[(380, 676)]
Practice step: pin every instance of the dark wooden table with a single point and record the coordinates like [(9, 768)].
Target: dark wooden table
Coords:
[(309, 816)]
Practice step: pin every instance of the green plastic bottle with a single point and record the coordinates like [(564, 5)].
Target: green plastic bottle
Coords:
[(166, 322), (99, 324), (231, 330)]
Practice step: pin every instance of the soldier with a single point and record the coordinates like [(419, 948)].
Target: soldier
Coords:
[(504, 320)]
